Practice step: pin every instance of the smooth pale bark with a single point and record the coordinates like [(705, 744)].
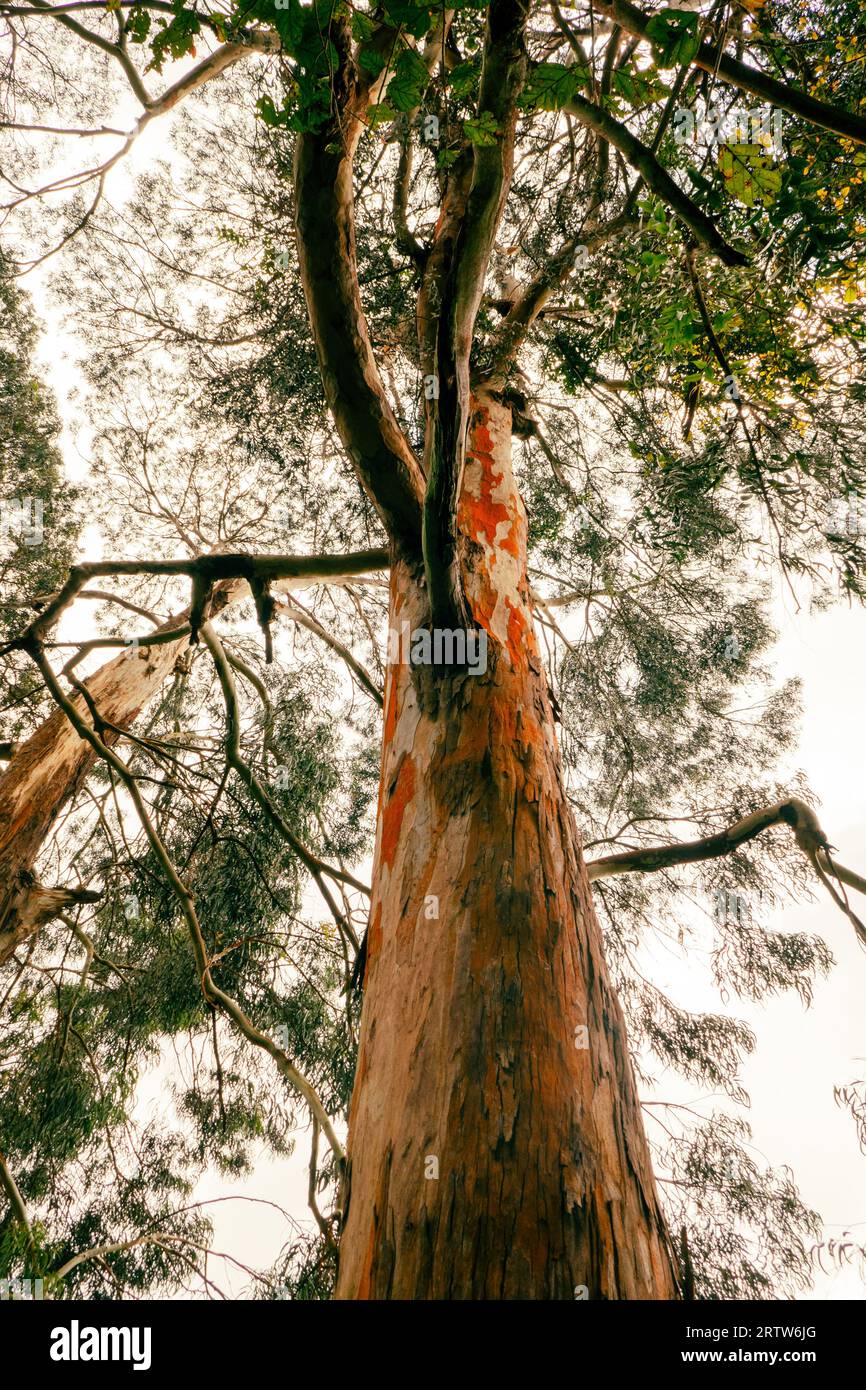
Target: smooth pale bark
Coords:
[(51, 766), (493, 1051)]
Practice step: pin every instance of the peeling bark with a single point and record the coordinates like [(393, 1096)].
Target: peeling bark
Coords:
[(493, 1050), (32, 905)]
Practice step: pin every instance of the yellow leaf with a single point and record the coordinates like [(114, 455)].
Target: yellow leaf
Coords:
[(749, 174)]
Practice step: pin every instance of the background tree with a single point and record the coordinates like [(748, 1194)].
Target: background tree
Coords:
[(542, 258)]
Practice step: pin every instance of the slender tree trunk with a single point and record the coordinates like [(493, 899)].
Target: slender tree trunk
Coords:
[(51, 766), (495, 1139)]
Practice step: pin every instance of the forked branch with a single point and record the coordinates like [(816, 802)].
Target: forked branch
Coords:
[(382, 457), (502, 77), (793, 812)]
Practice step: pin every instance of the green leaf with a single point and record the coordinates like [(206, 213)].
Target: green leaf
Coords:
[(639, 87), (380, 115), (409, 83), (550, 86), (749, 174), (414, 19), (464, 78), (174, 40), (362, 26), (269, 113), (674, 36), (698, 179), (138, 25), (371, 61), (483, 130), (289, 24)]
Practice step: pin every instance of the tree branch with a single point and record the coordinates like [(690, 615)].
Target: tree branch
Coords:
[(406, 240), (32, 905), (297, 571), (315, 866), (16, 1201), (324, 217), (49, 767), (656, 178), (212, 993), (304, 619), (747, 78), (99, 41), (794, 813), (525, 310)]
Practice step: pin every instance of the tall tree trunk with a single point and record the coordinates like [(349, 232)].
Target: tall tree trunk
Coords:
[(495, 1140)]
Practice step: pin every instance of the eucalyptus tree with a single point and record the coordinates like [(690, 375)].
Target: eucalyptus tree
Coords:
[(627, 240)]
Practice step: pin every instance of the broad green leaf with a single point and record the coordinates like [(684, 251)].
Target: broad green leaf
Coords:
[(639, 86), (483, 130), (269, 113), (414, 19), (362, 26), (289, 22), (674, 36), (371, 60), (380, 114), (409, 83), (749, 174), (549, 86), (464, 78)]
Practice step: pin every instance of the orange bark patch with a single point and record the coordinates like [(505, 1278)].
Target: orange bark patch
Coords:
[(483, 599), (374, 935), (392, 816), (517, 631), (391, 706), (365, 1282), (482, 515)]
